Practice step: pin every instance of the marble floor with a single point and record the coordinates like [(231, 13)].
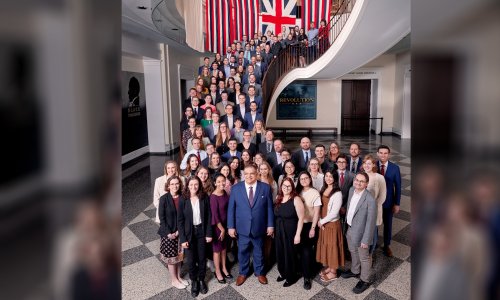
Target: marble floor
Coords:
[(145, 276)]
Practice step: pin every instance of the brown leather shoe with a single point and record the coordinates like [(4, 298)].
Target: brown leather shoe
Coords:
[(240, 280), (262, 279), (387, 251)]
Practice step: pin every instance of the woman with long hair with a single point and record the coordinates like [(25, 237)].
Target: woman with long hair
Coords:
[(302, 51), (205, 76), (214, 163), (200, 134), (258, 132), (225, 170), (170, 248), (222, 138), (195, 232), (171, 168), (333, 152), (246, 159), (247, 144), (378, 189), (288, 172), (309, 234), (330, 247), (238, 89), (200, 91), (206, 181), (230, 86), (316, 173), (188, 133), (209, 104), (266, 175), (323, 39), (218, 59), (234, 168), (192, 166), (289, 213), (259, 158), (219, 201), (221, 77)]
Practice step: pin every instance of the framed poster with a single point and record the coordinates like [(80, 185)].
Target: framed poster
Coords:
[(297, 101), (134, 120)]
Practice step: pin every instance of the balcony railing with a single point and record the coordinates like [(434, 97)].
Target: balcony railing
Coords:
[(301, 55)]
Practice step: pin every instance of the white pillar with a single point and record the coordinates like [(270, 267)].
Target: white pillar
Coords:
[(154, 105)]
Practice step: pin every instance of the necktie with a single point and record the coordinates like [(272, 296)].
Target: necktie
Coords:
[(382, 170), (307, 157), (341, 178), (268, 147), (250, 196), (199, 157), (353, 166), (196, 111)]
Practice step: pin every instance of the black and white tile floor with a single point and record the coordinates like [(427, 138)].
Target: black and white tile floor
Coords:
[(144, 275)]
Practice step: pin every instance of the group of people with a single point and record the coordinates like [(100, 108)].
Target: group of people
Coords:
[(306, 211)]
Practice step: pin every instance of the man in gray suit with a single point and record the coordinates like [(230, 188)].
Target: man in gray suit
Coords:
[(361, 218)]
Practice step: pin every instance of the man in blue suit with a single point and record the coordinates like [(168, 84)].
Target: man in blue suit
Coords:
[(392, 176), (250, 217), (232, 144), (252, 116)]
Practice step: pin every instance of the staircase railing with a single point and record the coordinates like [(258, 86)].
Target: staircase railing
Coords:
[(297, 56)]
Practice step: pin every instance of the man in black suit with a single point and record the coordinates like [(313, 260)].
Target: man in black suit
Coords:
[(241, 108), (267, 146), (355, 161), (188, 113), (325, 164), (198, 112), (189, 100), (214, 93), (301, 157), (274, 157), (206, 63), (210, 149), (345, 180), (278, 169)]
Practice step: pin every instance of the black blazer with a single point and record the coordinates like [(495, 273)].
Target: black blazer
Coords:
[(168, 215), (298, 160), (277, 171), (358, 166), (185, 219), (272, 158), (263, 147)]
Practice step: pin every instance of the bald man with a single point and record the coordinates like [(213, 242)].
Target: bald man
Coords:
[(301, 157)]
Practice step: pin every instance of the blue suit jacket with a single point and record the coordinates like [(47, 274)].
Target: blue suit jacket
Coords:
[(227, 155), (393, 182), (249, 122), (248, 220)]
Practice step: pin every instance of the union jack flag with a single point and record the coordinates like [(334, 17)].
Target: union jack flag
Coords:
[(315, 11), (276, 13)]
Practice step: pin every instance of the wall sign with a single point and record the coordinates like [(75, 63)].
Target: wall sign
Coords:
[(298, 101), (134, 121)]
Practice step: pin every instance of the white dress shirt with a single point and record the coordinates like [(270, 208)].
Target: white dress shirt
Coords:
[(203, 155), (196, 212), (352, 206)]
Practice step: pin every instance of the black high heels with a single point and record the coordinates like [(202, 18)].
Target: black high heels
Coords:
[(221, 281)]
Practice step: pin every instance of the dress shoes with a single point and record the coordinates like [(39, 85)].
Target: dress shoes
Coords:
[(307, 284), (240, 280), (360, 287), (387, 251), (228, 275), (203, 287), (223, 280), (349, 274), (262, 279), (280, 279), (195, 288)]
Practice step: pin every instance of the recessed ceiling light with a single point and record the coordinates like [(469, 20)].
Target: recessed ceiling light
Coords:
[(141, 7)]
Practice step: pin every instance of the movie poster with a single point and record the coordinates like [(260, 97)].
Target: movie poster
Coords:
[(134, 120), (297, 101)]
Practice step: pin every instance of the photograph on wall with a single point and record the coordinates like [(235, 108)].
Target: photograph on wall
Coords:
[(134, 120), (298, 101)]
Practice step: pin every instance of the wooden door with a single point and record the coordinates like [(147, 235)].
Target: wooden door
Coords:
[(356, 107)]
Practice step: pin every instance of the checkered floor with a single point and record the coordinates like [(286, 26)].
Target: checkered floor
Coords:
[(145, 276)]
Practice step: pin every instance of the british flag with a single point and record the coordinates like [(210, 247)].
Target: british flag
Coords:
[(276, 13)]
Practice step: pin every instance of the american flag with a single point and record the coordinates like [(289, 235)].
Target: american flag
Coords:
[(227, 21), (315, 11), (276, 13)]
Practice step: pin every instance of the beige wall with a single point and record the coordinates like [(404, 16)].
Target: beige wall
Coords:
[(132, 64), (329, 96), (402, 60)]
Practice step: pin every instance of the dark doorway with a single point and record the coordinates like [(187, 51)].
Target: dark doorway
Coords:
[(184, 92), (356, 107)]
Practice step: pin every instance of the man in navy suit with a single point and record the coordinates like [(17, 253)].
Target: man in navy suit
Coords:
[(301, 157), (252, 97), (206, 63), (392, 176), (355, 162), (198, 112), (231, 144), (252, 116), (249, 218)]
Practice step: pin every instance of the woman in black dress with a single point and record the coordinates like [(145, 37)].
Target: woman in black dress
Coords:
[(170, 249), (289, 212)]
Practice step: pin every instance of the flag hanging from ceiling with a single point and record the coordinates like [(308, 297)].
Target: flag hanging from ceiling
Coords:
[(227, 21), (315, 11), (276, 13)]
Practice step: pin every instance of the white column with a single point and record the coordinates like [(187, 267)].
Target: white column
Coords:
[(154, 105)]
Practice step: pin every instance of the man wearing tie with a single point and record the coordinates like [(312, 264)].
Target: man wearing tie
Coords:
[(229, 117), (355, 159), (274, 157), (201, 154), (301, 157), (392, 176), (252, 116), (221, 106), (198, 112), (249, 218), (267, 146)]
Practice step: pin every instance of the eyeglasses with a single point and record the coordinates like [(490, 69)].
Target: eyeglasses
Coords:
[(360, 181), (287, 186)]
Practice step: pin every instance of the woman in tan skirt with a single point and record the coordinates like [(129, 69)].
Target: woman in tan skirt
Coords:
[(330, 243)]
